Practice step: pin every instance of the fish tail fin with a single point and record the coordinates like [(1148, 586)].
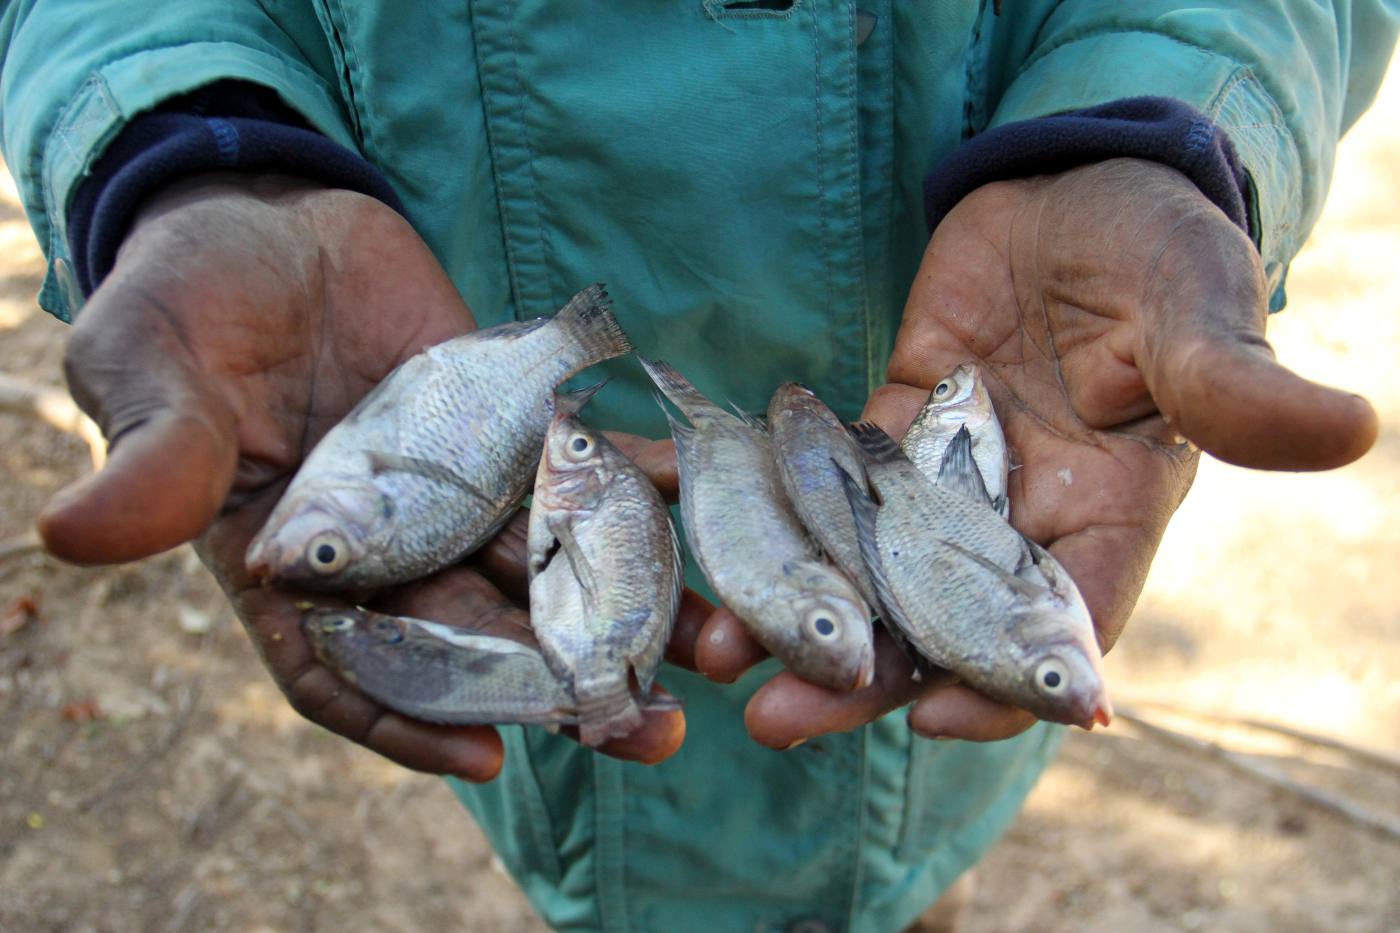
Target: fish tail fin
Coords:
[(678, 389), (589, 322), (875, 443), (571, 403), (606, 710), (660, 702)]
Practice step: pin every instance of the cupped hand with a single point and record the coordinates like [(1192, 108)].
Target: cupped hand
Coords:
[(243, 318), (1119, 319)]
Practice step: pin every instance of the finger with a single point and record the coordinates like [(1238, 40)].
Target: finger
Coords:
[(473, 753), (162, 485), (1204, 358), (787, 710), (894, 407), (1233, 400), (660, 736), (694, 612), (959, 712), (657, 459), (504, 559), (725, 649)]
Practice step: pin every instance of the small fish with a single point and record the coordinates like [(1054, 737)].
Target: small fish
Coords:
[(434, 460), (961, 399), (605, 575), (438, 673), (751, 546), (971, 593), (809, 442)]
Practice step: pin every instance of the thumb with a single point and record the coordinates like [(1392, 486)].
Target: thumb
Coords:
[(1214, 377), (174, 448)]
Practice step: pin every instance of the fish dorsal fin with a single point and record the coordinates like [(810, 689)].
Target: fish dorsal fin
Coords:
[(748, 419), (679, 391), (383, 462), (959, 471), (875, 443), (865, 511), (571, 403), (1012, 582)]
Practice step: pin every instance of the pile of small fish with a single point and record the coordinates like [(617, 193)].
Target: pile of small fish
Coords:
[(806, 530)]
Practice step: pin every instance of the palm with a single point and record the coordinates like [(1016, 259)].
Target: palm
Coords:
[(1111, 307), (1051, 319), (304, 299)]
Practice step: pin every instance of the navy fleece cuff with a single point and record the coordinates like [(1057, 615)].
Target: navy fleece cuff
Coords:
[(230, 127), (1156, 128)]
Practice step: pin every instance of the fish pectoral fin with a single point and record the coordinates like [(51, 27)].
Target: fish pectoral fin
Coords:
[(1008, 579), (578, 562), (382, 462), (959, 471), (573, 402)]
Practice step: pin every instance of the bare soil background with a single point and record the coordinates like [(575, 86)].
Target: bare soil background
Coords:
[(152, 778)]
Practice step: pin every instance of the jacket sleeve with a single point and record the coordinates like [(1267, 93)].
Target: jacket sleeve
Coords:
[(73, 74), (1284, 79)]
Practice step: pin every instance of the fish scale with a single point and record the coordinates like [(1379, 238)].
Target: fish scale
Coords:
[(752, 548), (605, 575), (968, 591), (438, 673), (435, 459)]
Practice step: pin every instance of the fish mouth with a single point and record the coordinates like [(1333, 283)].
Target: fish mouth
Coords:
[(1103, 714), (865, 674), (258, 563)]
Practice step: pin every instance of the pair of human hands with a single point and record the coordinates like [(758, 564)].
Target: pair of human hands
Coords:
[(1114, 310)]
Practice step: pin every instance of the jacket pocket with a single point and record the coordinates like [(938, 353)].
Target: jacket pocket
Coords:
[(960, 790)]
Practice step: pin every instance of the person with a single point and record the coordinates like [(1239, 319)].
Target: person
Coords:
[(263, 208)]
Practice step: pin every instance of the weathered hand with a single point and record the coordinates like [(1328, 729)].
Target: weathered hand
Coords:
[(243, 318), (1115, 311)]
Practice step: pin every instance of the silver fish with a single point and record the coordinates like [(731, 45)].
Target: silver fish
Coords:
[(433, 461), (961, 399), (751, 546), (809, 442), (605, 575), (438, 673), (969, 591)]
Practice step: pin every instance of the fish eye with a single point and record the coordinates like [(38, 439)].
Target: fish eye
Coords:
[(388, 632), (1052, 677), (942, 389), (337, 623), (822, 625), (327, 553), (580, 445)]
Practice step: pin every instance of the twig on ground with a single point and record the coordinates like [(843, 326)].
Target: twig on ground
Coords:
[(20, 545), (1373, 757), (54, 407), (1383, 824), (134, 772)]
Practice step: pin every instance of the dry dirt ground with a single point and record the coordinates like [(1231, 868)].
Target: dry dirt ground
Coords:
[(151, 777)]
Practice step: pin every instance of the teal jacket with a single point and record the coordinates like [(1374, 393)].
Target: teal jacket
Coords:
[(747, 180)]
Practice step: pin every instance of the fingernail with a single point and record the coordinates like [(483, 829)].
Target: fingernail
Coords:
[(788, 748)]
